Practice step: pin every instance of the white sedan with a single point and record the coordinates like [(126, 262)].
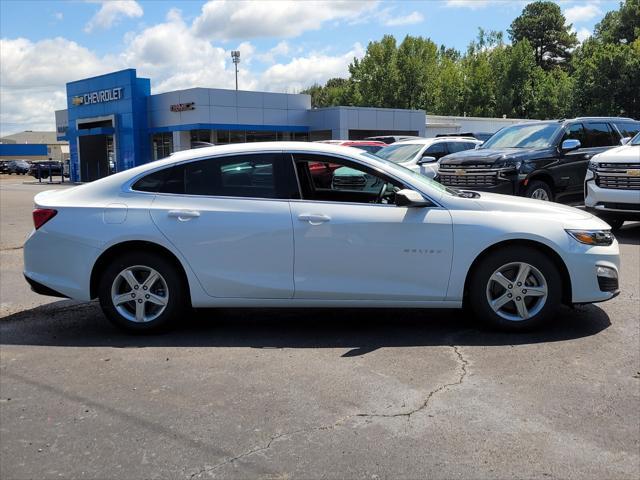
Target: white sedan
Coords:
[(261, 225)]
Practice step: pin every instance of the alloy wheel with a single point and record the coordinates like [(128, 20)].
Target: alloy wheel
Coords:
[(140, 294), (540, 194), (517, 291)]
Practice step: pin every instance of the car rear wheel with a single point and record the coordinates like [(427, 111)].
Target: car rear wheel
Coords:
[(142, 292), (515, 289), (539, 190)]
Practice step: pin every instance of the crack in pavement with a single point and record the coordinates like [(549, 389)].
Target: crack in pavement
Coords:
[(463, 363), (8, 249)]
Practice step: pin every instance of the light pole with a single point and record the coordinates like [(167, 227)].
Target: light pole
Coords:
[(235, 57)]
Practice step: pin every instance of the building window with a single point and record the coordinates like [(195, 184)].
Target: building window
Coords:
[(162, 145), (200, 136)]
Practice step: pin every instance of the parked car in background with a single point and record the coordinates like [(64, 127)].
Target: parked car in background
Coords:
[(422, 154), (546, 160), (612, 184), (482, 136), (389, 139), (245, 225), (370, 146), (4, 166), (46, 169), (19, 167)]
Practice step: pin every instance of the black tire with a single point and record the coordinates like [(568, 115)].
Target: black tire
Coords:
[(536, 187), (479, 284), (176, 292)]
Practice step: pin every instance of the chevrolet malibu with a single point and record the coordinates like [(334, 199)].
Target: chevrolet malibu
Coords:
[(251, 225)]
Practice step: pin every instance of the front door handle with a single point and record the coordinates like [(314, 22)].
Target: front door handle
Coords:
[(313, 218), (184, 215)]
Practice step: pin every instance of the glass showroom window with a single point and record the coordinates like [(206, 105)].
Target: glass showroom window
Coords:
[(200, 136), (162, 145)]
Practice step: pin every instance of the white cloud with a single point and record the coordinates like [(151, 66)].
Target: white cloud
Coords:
[(111, 11), (32, 84), (302, 72), (583, 34), (174, 58), (280, 50), (413, 17), (582, 13), (473, 4), (225, 19), (58, 16)]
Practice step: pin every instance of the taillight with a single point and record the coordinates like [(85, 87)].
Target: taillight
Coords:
[(42, 216)]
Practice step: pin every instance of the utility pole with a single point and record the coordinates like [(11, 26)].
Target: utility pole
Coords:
[(235, 57)]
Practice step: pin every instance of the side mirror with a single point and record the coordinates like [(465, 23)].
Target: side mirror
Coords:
[(426, 159), (570, 144), (411, 198), (625, 140)]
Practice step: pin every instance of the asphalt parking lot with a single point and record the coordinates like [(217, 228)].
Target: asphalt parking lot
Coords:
[(313, 393)]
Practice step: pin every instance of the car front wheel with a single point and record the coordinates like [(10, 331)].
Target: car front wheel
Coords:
[(514, 289), (539, 190), (142, 292)]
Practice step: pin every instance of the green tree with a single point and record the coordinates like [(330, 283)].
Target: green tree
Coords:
[(376, 75), (544, 26), (607, 78), (622, 25), (417, 71)]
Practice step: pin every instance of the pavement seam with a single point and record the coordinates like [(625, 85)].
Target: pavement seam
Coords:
[(462, 362)]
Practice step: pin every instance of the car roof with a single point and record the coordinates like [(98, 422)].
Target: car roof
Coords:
[(424, 141)]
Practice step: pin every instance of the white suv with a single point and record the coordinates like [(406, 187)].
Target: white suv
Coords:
[(422, 154), (612, 184)]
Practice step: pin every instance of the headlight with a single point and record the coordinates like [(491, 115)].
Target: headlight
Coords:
[(593, 166), (593, 237)]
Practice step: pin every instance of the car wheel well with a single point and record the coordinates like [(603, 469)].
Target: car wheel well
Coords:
[(542, 177), (130, 246), (564, 272)]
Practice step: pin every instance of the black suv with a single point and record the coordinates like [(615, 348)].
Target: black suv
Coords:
[(541, 159)]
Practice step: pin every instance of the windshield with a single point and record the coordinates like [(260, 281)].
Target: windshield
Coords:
[(536, 135), (416, 176), (399, 153), (635, 140)]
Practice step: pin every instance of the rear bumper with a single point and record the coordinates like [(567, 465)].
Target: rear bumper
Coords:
[(43, 289)]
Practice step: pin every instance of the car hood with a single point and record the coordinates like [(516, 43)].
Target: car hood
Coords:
[(623, 154), (495, 202), (489, 157)]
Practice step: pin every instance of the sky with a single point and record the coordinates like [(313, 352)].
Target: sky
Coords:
[(285, 45)]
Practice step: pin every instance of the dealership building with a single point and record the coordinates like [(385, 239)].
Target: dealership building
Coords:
[(113, 122)]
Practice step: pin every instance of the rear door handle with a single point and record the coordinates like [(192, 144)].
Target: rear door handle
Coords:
[(313, 218), (184, 215)]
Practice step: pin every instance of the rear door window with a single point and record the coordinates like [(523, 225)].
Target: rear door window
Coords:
[(455, 147), (600, 135)]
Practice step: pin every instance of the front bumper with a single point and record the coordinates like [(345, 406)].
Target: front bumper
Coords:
[(620, 203), (586, 265)]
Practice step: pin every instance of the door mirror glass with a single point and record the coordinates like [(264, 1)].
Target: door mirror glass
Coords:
[(570, 144), (625, 140), (426, 159), (411, 198)]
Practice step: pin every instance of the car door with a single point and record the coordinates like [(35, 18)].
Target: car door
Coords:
[(230, 218), (595, 137), (356, 244)]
